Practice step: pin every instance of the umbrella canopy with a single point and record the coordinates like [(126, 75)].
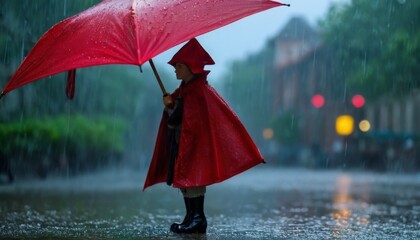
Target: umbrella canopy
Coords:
[(126, 32)]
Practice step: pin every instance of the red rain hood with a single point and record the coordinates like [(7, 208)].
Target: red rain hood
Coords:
[(194, 55)]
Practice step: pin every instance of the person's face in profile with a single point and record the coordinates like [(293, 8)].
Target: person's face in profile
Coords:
[(183, 72)]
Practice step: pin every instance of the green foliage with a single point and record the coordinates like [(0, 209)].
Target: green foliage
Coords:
[(396, 70), (85, 142), (375, 45)]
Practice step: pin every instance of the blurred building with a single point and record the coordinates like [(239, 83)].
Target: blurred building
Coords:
[(300, 86), (295, 44), (298, 73)]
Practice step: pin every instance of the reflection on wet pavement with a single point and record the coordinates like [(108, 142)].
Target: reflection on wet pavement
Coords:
[(259, 204)]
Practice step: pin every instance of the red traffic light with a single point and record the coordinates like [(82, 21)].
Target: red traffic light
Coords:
[(358, 101)]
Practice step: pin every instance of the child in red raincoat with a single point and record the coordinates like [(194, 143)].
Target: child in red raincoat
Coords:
[(200, 140)]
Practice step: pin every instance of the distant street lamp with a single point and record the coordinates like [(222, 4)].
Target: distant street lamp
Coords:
[(268, 133), (364, 125), (318, 100), (358, 101), (344, 125)]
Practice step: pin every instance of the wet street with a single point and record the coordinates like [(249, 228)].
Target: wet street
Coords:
[(262, 203)]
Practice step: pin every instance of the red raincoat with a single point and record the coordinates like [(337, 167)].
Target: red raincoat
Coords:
[(213, 146)]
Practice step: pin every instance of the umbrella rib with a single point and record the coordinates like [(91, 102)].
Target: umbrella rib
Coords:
[(133, 18)]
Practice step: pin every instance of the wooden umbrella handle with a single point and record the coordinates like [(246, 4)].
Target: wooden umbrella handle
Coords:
[(158, 78)]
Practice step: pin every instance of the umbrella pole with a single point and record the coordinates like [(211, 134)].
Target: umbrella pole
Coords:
[(158, 78)]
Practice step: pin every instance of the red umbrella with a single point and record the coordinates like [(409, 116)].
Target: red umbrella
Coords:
[(126, 32)]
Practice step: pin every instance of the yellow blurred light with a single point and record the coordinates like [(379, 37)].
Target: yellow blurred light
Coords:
[(268, 133), (364, 125), (344, 125)]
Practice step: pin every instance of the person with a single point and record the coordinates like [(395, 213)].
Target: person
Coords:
[(200, 140)]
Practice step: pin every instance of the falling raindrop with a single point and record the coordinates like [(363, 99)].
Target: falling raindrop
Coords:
[(292, 122), (22, 52), (364, 63), (65, 8)]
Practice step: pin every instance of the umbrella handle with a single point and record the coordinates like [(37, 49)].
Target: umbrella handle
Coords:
[(158, 78)]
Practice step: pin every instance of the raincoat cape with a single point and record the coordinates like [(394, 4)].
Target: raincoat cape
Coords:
[(214, 145)]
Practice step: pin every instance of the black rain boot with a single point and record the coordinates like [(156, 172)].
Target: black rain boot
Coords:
[(176, 226), (198, 222)]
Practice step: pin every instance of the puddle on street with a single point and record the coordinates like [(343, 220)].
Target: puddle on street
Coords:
[(320, 205)]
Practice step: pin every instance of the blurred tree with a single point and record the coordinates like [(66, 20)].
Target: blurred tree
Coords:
[(43, 144), (375, 45), (246, 89), (22, 23), (112, 91)]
